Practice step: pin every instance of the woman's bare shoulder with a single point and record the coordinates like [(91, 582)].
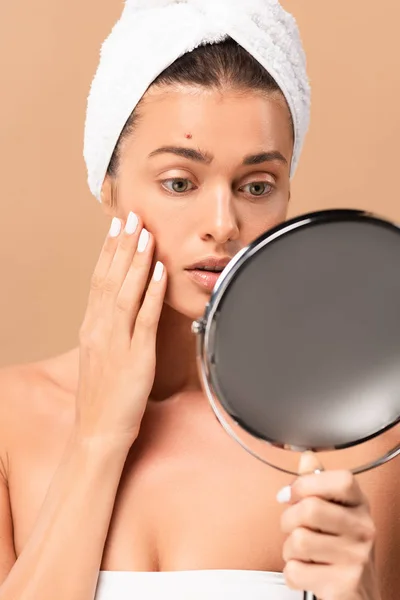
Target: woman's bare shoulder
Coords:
[(60, 371), (17, 383), (31, 393)]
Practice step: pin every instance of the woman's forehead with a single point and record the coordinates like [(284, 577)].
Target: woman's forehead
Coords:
[(204, 116)]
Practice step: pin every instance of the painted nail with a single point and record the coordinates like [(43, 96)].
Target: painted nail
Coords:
[(116, 227), (158, 271), (143, 240), (284, 495), (131, 223)]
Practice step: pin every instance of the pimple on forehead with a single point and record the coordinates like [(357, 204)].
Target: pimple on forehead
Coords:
[(188, 136)]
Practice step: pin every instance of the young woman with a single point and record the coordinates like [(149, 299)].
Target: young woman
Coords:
[(116, 480)]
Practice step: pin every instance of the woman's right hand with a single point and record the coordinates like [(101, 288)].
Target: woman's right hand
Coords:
[(118, 336)]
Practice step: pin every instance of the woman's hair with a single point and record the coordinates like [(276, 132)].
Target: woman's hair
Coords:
[(209, 66)]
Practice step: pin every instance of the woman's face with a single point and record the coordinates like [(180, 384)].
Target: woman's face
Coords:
[(207, 172)]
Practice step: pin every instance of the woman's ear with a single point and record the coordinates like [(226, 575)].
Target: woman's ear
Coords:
[(108, 196)]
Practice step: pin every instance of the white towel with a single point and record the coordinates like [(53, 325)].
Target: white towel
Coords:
[(152, 34)]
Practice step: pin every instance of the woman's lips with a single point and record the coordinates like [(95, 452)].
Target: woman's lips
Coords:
[(205, 279)]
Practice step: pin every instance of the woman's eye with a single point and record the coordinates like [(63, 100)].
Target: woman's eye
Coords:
[(178, 185), (258, 188)]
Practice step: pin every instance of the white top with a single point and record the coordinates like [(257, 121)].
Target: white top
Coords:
[(193, 585)]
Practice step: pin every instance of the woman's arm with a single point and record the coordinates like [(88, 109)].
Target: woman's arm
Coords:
[(62, 557), (7, 552)]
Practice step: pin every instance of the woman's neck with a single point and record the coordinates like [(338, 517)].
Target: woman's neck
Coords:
[(176, 365)]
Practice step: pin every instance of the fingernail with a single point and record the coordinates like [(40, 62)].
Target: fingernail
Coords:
[(143, 240), (158, 271), (115, 228), (131, 223), (284, 495)]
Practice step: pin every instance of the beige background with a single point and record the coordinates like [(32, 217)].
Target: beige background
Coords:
[(51, 229)]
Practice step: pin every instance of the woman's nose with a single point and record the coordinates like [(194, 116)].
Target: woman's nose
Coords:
[(220, 219)]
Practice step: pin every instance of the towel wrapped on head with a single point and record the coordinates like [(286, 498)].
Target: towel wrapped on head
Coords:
[(152, 34)]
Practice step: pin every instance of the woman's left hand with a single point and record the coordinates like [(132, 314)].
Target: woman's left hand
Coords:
[(331, 535)]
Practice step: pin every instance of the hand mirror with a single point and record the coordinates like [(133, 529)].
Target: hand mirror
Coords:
[(299, 345)]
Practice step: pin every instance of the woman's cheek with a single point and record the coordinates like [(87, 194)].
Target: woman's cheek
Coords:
[(168, 245)]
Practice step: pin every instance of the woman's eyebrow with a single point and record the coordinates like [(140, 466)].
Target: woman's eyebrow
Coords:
[(207, 158), (189, 153), (261, 157)]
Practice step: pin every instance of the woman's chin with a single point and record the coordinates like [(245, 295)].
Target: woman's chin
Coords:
[(190, 304)]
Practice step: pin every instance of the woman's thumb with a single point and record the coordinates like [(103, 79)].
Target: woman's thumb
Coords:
[(309, 463)]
